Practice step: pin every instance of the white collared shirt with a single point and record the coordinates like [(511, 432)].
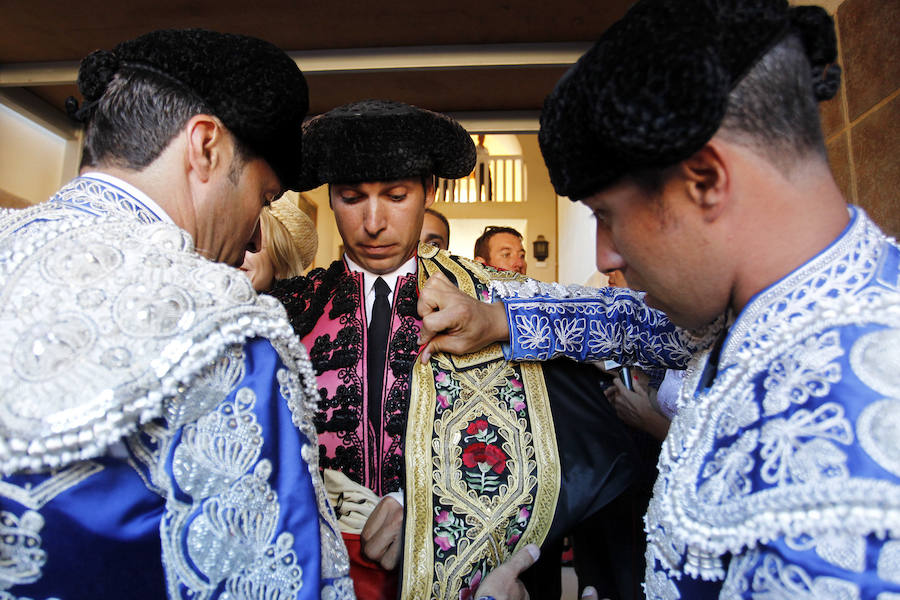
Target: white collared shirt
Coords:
[(407, 268), (131, 191)]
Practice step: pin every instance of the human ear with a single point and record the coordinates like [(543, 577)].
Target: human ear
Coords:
[(480, 260), (429, 192), (706, 180), (206, 135)]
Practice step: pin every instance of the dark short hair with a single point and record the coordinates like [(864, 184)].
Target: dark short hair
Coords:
[(441, 217), (772, 111), (136, 119), (483, 243), (773, 108)]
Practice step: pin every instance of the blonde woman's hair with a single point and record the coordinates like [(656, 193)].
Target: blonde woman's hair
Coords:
[(289, 237)]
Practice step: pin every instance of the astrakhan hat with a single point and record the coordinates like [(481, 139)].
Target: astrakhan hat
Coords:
[(654, 89), (381, 140), (256, 90)]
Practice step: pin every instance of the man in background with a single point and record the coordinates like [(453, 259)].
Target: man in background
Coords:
[(435, 229), (501, 248), (482, 172)]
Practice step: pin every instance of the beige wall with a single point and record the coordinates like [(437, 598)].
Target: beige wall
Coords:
[(329, 238), (829, 5), (539, 210), (578, 255), (31, 160)]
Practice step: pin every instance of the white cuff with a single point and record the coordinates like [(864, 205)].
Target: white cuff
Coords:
[(398, 496)]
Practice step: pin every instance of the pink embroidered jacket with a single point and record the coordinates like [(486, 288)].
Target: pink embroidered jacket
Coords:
[(327, 310)]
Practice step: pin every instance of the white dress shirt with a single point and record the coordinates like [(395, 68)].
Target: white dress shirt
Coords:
[(407, 268)]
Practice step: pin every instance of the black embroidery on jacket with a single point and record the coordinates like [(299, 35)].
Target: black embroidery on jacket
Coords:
[(305, 300)]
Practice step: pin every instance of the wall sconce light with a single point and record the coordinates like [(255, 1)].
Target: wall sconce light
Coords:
[(541, 249)]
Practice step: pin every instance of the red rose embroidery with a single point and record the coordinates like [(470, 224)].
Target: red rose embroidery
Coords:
[(477, 427), (484, 454)]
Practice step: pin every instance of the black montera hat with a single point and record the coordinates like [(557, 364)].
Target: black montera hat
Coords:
[(381, 140), (255, 88), (655, 87)]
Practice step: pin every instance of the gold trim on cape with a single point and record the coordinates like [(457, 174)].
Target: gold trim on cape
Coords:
[(434, 464)]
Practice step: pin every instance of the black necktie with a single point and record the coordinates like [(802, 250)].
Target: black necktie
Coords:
[(379, 328)]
